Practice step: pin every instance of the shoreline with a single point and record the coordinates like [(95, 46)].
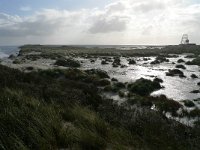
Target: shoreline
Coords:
[(35, 58), (63, 106)]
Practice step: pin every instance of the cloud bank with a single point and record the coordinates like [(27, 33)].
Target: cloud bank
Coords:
[(121, 22)]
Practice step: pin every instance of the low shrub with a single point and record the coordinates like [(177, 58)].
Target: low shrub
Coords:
[(103, 62), (194, 76), (98, 72), (121, 94), (194, 113), (160, 59), (131, 62), (188, 103), (102, 82), (16, 61), (165, 105), (175, 72), (143, 86), (195, 61), (180, 66), (180, 61), (67, 63), (158, 80)]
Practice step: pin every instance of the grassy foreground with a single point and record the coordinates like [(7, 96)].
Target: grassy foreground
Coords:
[(54, 109)]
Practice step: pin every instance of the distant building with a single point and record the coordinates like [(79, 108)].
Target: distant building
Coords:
[(185, 40)]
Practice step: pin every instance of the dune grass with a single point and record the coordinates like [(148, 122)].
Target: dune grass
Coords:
[(59, 109)]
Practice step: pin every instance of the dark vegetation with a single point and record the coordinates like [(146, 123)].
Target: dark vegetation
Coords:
[(180, 66), (131, 62), (57, 109), (191, 114), (188, 103), (116, 62), (67, 63), (158, 80), (195, 91), (103, 62), (16, 61), (160, 59), (195, 61), (194, 76), (165, 105), (144, 87), (80, 51), (175, 72), (180, 61), (115, 87), (62, 109)]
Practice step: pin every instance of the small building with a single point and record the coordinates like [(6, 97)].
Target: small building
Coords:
[(185, 40)]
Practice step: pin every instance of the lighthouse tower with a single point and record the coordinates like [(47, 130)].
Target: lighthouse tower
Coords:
[(185, 40)]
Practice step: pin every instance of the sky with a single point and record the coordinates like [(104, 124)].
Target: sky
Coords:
[(101, 22)]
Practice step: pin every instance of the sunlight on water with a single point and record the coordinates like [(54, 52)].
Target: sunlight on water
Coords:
[(174, 87)]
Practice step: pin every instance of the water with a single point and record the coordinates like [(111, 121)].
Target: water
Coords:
[(174, 87), (6, 51)]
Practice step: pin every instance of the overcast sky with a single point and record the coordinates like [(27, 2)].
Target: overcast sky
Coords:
[(98, 21)]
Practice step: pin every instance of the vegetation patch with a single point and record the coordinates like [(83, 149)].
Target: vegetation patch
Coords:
[(67, 63), (180, 61), (100, 73), (195, 61), (102, 82), (131, 62), (165, 105), (52, 110), (180, 66), (188, 103), (104, 62), (194, 76), (158, 80), (144, 87), (114, 79), (116, 62), (194, 113), (16, 61), (175, 72), (160, 59), (121, 93), (195, 91)]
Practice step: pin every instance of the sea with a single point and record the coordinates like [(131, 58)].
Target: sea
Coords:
[(6, 51)]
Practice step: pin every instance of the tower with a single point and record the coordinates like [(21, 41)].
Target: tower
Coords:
[(185, 40)]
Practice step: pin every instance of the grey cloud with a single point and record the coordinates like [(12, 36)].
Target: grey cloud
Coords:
[(103, 25), (41, 24), (116, 7), (112, 19), (149, 6)]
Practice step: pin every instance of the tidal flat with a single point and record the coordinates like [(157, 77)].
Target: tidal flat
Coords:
[(92, 98)]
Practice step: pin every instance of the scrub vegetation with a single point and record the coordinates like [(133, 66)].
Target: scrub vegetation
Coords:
[(57, 109), (66, 108)]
